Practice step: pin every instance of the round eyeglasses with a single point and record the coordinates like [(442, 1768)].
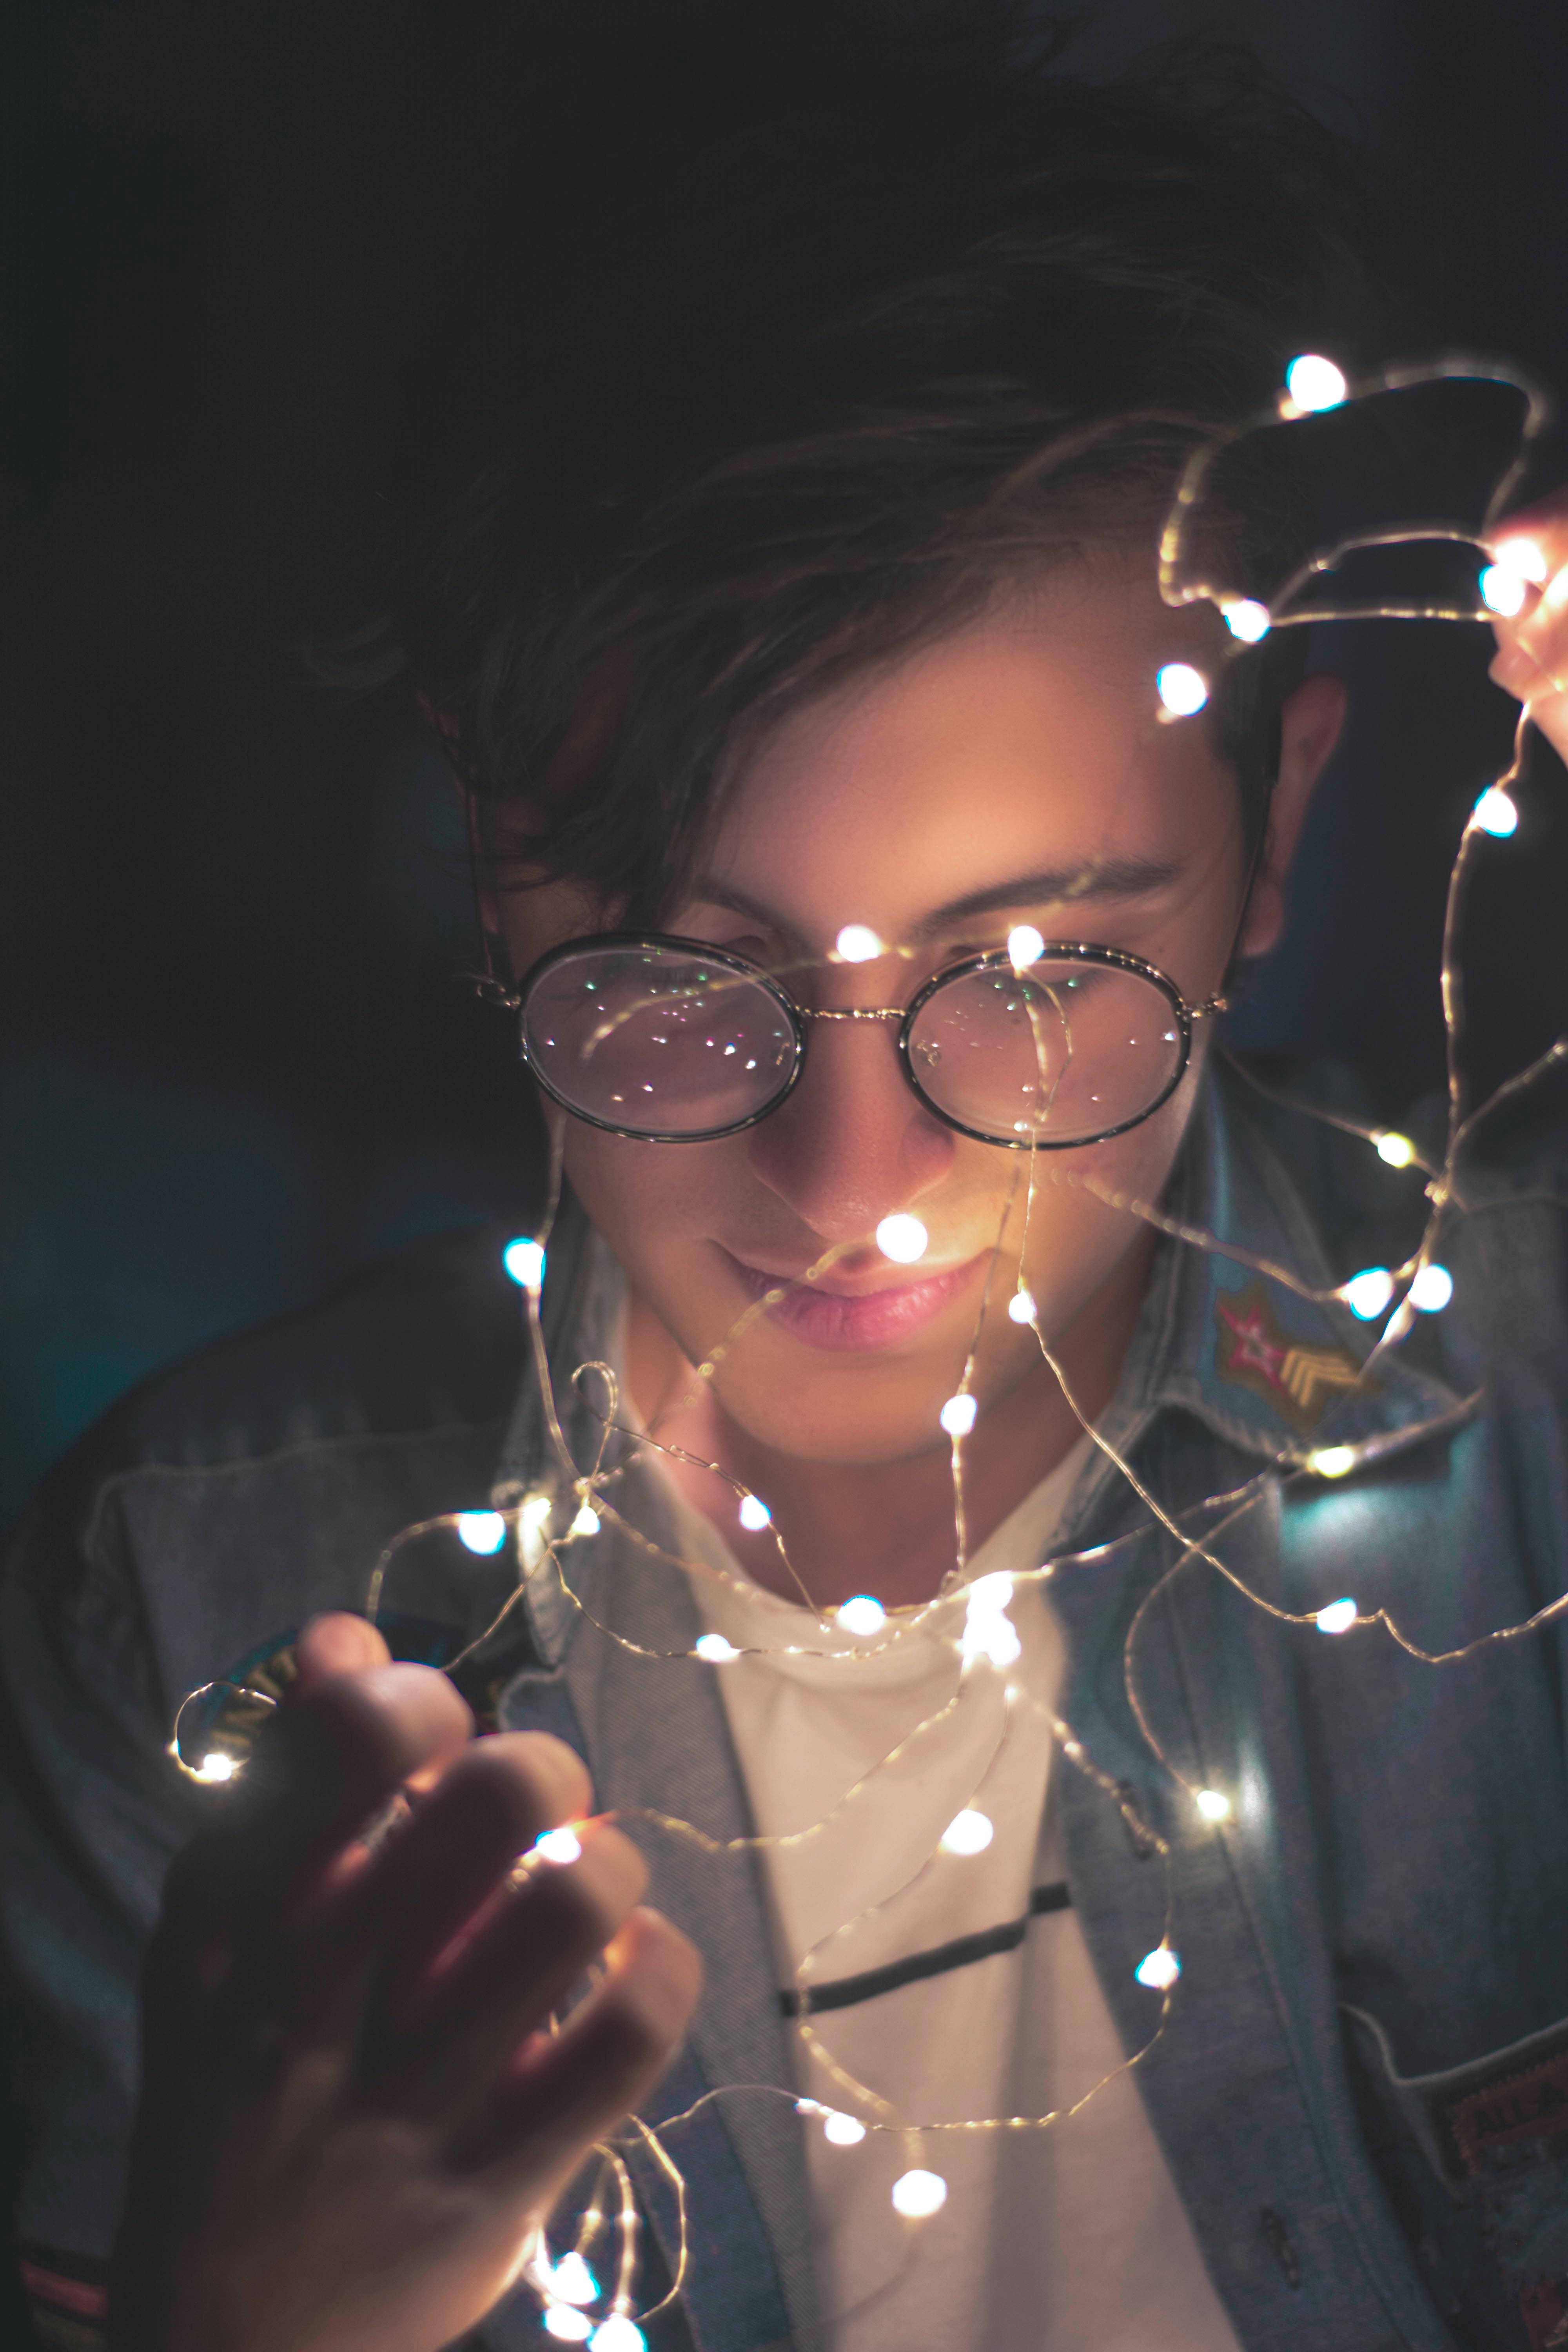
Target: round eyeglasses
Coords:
[(671, 1041)]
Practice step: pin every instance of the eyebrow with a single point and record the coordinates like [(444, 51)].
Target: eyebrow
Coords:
[(1100, 877)]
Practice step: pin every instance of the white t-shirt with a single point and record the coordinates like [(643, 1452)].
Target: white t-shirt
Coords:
[(1070, 2239)]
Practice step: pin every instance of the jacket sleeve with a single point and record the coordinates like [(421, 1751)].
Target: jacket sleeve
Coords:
[(92, 1812)]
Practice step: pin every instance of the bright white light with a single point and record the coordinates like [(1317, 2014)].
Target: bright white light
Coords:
[(1214, 1804), (1397, 1150), (1182, 689), (481, 1530), (558, 1847), (715, 1649), (1021, 1308), (536, 1511), (844, 2131), (1024, 946), (572, 2281), (617, 2334), (215, 1765), (1338, 1617), (1432, 1289), (1502, 589), (967, 1833), (859, 943), (1332, 1461), (861, 1615), (1158, 1969), (567, 2326), (989, 1593), (1246, 619), (1495, 812), (1314, 383), (995, 1638), (918, 2195), (755, 1512), (524, 1261), (902, 1238), (1366, 1294), (586, 1522), (1525, 560), (957, 1415)]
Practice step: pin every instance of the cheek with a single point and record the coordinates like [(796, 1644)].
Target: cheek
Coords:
[(647, 1198)]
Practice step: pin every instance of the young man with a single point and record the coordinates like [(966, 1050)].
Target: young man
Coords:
[(829, 675)]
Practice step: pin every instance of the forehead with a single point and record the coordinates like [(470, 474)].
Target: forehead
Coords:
[(1029, 740)]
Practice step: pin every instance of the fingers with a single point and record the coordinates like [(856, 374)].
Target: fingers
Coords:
[(565, 2092), (425, 1887), (1531, 661), (335, 1644), (320, 1769), (440, 2059)]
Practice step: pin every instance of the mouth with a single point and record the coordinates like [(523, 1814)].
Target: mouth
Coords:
[(835, 1313)]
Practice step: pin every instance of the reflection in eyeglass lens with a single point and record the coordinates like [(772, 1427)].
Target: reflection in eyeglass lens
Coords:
[(659, 1042), (1062, 1054)]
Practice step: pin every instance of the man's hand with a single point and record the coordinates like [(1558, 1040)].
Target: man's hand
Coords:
[(1532, 646), (355, 2106)]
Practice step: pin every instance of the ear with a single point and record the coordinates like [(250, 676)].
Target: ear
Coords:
[(1309, 723)]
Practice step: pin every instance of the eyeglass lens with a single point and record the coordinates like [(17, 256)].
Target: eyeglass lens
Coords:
[(658, 1042), (665, 1043), (1063, 1053)]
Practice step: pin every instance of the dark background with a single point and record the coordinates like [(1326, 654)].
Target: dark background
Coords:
[(232, 900)]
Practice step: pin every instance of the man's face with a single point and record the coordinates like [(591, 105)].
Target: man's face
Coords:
[(1013, 773)]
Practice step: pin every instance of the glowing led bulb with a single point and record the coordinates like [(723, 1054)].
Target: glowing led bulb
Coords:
[(586, 1522), (536, 1511), (524, 1261), (1158, 1969), (1504, 590), (617, 2334), (1338, 1617), (844, 2131), (1182, 689), (572, 2281), (918, 2195), (1332, 1461), (1366, 1294), (1021, 1308), (215, 1765), (967, 1833), (957, 1415), (1495, 812), (902, 1238), (861, 1615), (1432, 1289), (1024, 946), (857, 943), (1214, 1805), (1397, 1150), (567, 2326), (755, 1512), (1525, 560), (715, 1649), (1246, 619), (481, 1530), (559, 1846), (991, 1594), (1314, 383)]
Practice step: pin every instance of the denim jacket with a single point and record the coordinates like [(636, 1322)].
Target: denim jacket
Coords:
[(1367, 2050)]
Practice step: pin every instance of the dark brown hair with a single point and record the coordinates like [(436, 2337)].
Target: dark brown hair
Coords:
[(929, 313)]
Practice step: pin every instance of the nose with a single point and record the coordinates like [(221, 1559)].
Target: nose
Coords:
[(853, 1142)]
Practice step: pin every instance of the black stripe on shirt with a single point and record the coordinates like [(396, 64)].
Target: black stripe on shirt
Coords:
[(843, 1992)]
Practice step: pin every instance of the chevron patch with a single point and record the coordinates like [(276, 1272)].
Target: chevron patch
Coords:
[(1252, 1353)]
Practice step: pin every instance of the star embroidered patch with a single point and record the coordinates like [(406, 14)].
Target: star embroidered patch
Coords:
[(1252, 1351)]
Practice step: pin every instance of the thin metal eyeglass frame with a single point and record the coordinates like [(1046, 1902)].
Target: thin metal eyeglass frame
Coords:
[(797, 1015)]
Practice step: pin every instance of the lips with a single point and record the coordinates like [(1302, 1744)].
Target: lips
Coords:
[(863, 1319)]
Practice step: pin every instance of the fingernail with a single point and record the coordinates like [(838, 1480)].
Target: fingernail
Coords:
[(1514, 671)]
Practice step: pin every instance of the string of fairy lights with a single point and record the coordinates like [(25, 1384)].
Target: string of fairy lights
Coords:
[(574, 1504)]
